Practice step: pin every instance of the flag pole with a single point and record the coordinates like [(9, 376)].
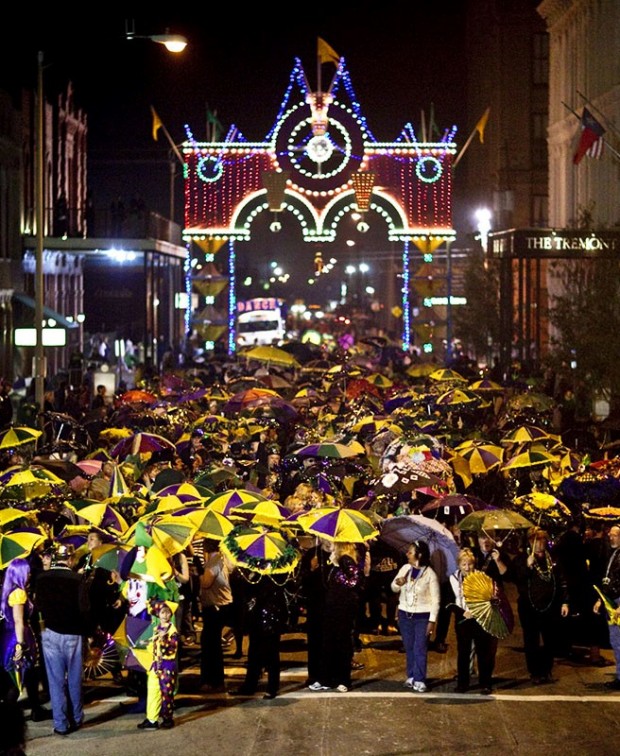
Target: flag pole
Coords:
[(609, 125), (465, 146), (605, 141)]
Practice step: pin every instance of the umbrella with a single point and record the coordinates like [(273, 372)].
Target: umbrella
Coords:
[(405, 481), (209, 523), (104, 515), (141, 443), (379, 380), (170, 535), (132, 642), (114, 557), (489, 605), (401, 531), (604, 514), (331, 449), (461, 504), (446, 374), (339, 524), (525, 434), (531, 458), (26, 485), (14, 545), (486, 384), (101, 656), (545, 509), (490, 520), (90, 467), (18, 436), (457, 398), (251, 397), (272, 355), (260, 549), (218, 475), (422, 369), (186, 492), (138, 396), (224, 502), (481, 456), (10, 514), (266, 512)]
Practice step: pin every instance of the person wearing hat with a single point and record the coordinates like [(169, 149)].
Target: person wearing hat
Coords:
[(162, 675), (57, 596)]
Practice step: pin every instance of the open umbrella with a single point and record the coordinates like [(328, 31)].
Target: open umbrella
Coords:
[(486, 384), (480, 455), (260, 549), (400, 481), (488, 603), (447, 374), (339, 524), (26, 485), (18, 436), (604, 514), (132, 642), (272, 356), (208, 523), (493, 521), (105, 516), (14, 545), (266, 512), (141, 443), (225, 501), (403, 530), (532, 458), (456, 397), (138, 396), (546, 510), (456, 505), (114, 557), (332, 449), (524, 434)]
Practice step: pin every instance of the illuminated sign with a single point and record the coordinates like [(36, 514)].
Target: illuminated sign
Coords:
[(51, 337)]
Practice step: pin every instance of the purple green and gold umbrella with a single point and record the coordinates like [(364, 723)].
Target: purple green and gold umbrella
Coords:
[(339, 524), (331, 449), (18, 436), (225, 501), (18, 544), (260, 549), (141, 443), (26, 485), (103, 515), (481, 456), (266, 512), (544, 509)]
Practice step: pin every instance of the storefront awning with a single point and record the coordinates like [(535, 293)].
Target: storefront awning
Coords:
[(29, 302)]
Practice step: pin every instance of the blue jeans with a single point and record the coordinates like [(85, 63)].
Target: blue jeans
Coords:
[(413, 629), (64, 664)]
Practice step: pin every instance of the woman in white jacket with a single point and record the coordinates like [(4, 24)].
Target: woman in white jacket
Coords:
[(418, 606)]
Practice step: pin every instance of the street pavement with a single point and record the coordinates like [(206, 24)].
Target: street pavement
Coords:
[(575, 714)]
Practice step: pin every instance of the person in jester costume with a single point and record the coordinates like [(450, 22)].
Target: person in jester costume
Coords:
[(149, 578), (162, 675)]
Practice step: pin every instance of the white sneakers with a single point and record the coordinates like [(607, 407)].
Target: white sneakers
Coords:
[(408, 682), (316, 686), (419, 687)]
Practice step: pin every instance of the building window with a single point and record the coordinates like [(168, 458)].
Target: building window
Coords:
[(540, 64), (540, 203), (539, 140)]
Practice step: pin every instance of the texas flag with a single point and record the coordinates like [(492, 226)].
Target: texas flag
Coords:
[(591, 137)]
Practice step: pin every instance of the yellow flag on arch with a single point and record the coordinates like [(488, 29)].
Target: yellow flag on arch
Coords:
[(326, 53), (157, 123), (482, 123)]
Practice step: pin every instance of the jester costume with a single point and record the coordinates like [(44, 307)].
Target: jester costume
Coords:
[(162, 675)]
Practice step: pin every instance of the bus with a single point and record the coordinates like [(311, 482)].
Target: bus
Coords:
[(261, 320)]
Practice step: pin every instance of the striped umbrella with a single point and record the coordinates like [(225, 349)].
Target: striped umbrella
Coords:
[(339, 524)]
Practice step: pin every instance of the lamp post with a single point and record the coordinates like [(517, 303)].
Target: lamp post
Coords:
[(39, 353)]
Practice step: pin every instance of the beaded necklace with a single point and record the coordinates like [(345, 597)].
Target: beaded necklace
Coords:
[(545, 573)]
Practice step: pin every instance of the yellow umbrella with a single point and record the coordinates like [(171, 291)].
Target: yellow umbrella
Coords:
[(18, 436), (272, 355), (339, 524), (381, 381), (25, 485), (14, 545)]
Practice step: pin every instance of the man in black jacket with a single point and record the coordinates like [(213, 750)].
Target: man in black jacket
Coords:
[(58, 599)]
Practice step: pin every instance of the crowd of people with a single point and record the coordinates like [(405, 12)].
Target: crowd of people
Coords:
[(59, 605)]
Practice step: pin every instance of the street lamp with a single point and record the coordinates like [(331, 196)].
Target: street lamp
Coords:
[(174, 43), (483, 218)]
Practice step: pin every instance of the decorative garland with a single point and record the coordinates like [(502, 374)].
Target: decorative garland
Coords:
[(286, 562)]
